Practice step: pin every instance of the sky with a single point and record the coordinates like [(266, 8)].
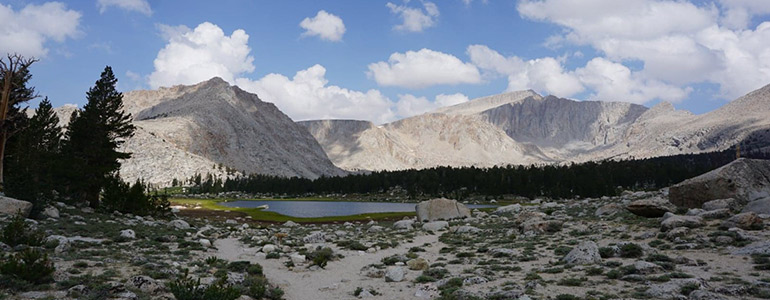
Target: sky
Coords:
[(386, 60)]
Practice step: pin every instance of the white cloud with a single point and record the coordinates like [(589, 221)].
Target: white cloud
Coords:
[(678, 43), (612, 81), (415, 19), (192, 56), (308, 96), (26, 31), (409, 105), (738, 13), (422, 69), (140, 6), (324, 25), (543, 74)]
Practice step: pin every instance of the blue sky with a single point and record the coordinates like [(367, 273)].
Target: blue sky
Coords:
[(383, 60)]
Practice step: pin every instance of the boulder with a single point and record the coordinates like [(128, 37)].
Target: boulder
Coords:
[(315, 237), (403, 224), (646, 268), (746, 221), (671, 221), (761, 206), (467, 229), (51, 212), (128, 234), (11, 206), (179, 224), (586, 253), (651, 207), (441, 209), (268, 248), (395, 274), (145, 284), (205, 243), (744, 180), (417, 264), (537, 226), (297, 258), (728, 203), (513, 208), (715, 214), (435, 226), (705, 295), (608, 210), (756, 248)]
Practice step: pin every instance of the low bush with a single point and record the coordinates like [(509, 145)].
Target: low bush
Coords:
[(185, 288), (30, 265), (123, 197), (321, 256), (18, 232), (631, 250)]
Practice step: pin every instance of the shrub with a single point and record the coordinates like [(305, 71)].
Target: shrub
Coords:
[(185, 288), (321, 256), (424, 279), (30, 265), (437, 273), (18, 232), (689, 288), (562, 250), (353, 245), (631, 250), (273, 255), (119, 195), (606, 252), (566, 297), (255, 287)]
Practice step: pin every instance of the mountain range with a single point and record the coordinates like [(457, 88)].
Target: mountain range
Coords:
[(218, 129)]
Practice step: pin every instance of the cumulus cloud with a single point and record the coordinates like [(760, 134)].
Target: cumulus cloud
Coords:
[(192, 56), (409, 105), (308, 96), (26, 31), (612, 81), (415, 19), (419, 69), (544, 74), (140, 6), (678, 43), (324, 25)]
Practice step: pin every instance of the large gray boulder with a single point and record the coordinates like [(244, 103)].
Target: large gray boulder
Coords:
[(744, 179), (651, 207), (761, 206), (441, 209), (671, 221), (585, 253), (11, 206)]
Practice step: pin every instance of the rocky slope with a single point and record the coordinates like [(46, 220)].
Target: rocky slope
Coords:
[(215, 128), (523, 128)]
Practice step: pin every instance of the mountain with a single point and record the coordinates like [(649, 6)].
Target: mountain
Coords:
[(524, 128), (215, 128)]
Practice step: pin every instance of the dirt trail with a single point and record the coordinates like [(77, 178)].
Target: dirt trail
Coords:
[(338, 280)]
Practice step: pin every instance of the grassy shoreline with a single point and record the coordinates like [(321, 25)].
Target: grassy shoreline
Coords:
[(273, 217)]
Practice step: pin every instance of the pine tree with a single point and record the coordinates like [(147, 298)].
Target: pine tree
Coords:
[(14, 75), (33, 158), (93, 137)]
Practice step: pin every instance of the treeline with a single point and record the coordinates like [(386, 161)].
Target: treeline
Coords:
[(44, 163), (590, 179)]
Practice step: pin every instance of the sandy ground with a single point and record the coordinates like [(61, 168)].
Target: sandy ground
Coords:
[(338, 280)]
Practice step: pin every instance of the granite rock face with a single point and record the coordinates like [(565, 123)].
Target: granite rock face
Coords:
[(744, 180), (441, 209)]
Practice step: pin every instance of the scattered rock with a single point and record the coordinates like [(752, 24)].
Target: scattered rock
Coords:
[(426, 291), (761, 206), (403, 224), (467, 229), (145, 284), (179, 224), (315, 237), (608, 210), (375, 228), (373, 272), (268, 248), (435, 225), (128, 234), (205, 243), (671, 221), (745, 221), (728, 203), (11, 206), (513, 208), (647, 267), (290, 224), (651, 207), (441, 209), (744, 180), (474, 280), (671, 289), (417, 264), (715, 214), (395, 274), (51, 212), (297, 258), (586, 253), (537, 226), (704, 295)]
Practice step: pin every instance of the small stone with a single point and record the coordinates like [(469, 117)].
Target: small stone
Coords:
[(585, 253), (268, 248), (745, 221), (179, 224), (417, 264), (128, 234), (51, 212), (297, 259), (205, 243), (395, 274), (403, 224), (435, 225)]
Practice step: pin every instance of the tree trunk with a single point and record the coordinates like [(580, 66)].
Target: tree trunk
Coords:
[(6, 97)]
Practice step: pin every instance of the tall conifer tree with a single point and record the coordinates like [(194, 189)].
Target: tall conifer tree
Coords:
[(93, 137)]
